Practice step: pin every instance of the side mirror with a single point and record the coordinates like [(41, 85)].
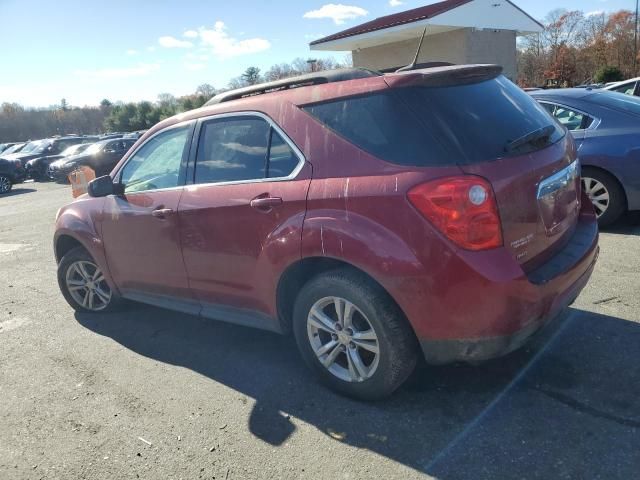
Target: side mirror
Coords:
[(103, 186)]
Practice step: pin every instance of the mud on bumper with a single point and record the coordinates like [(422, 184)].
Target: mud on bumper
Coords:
[(580, 254)]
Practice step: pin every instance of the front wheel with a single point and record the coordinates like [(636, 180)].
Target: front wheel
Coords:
[(83, 285), (5, 184), (353, 336)]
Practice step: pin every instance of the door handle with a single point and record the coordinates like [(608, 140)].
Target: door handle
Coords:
[(265, 203), (161, 212)]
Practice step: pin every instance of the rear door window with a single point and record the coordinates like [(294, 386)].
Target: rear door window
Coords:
[(424, 126), (569, 118), (242, 148)]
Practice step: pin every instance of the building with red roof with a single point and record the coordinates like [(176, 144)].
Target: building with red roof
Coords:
[(458, 31)]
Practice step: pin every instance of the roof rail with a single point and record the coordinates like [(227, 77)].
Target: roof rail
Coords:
[(316, 78)]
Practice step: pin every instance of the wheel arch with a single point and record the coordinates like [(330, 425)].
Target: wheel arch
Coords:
[(64, 244), (299, 273), (613, 175)]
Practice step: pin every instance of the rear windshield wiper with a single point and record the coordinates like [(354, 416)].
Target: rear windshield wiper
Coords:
[(539, 137)]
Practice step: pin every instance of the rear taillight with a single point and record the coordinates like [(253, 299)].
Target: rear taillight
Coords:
[(463, 208), (18, 164)]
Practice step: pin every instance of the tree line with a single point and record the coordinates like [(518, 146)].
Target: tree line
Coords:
[(18, 123), (576, 48)]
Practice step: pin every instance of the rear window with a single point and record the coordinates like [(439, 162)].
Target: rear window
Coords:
[(430, 126), (617, 101)]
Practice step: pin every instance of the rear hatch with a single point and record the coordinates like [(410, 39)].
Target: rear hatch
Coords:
[(491, 128)]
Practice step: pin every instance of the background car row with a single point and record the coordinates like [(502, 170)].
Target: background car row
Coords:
[(54, 158)]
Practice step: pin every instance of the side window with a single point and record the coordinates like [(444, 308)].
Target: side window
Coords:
[(282, 159), (549, 107), (157, 163), (627, 88), (571, 119), (232, 149)]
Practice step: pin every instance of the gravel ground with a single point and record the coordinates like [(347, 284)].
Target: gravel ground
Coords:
[(154, 394)]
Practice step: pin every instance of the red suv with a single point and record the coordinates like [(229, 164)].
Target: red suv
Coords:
[(375, 216)]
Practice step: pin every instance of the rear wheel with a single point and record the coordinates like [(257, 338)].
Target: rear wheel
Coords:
[(5, 184), (605, 193), (83, 284), (353, 336)]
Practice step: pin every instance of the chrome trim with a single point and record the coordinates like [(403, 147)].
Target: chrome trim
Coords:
[(596, 120), (245, 113), (558, 180)]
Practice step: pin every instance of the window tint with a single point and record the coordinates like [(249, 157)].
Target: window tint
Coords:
[(422, 126), (232, 149), (571, 119), (627, 88), (549, 107), (282, 159), (157, 163), (617, 101)]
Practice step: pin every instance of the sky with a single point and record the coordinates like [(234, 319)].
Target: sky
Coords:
[(132, 50)]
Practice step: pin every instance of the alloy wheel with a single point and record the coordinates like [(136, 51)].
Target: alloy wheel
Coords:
[(5, 184), (87, 285), (597, 193), (343, 339)]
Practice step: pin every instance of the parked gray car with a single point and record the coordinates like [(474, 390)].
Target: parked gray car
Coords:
[(606, 128)]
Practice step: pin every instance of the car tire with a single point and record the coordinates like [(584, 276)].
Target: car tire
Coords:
[(604, 191), (83, 285), (5, 184), (374, 324)]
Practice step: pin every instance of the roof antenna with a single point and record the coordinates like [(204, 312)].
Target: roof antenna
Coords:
[(412, 65)]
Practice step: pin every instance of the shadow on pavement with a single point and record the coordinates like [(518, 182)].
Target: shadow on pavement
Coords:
[(629, 224), (17, 191), (565, 407)]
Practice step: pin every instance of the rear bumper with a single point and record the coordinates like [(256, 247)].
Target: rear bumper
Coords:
[(477, 350), (502, 314)]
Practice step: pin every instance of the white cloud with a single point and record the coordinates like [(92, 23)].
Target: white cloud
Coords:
[(132, 51), (151, 49), (222, 45), (594, 13), (172, 42), (138, 71), (337, 12), (190, 34), (395, 3)]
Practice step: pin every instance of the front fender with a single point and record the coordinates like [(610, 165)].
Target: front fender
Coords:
[(80, 220)]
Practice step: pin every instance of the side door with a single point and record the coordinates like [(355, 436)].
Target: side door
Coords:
[(140, 229), (241, 218)]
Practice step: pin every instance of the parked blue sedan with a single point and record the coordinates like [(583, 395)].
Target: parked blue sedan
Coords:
[(606, 127)]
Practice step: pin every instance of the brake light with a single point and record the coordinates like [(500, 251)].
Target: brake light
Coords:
[(463, 208), (18, 164)]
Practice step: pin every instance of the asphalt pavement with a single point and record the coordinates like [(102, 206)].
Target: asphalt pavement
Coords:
[(153, 394)]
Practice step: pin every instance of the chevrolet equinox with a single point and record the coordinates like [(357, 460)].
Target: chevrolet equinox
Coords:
[(435, 211)]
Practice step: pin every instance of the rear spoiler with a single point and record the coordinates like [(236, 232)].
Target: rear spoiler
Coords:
[(443, 76)]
